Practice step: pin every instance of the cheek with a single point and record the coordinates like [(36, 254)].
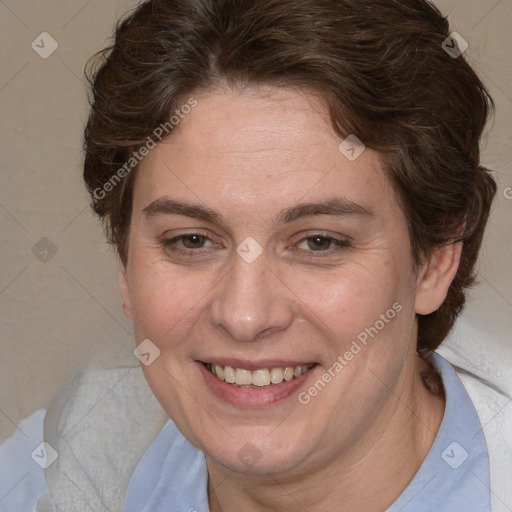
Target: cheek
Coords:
[(164, 300), (166, 305), (353, 299), (367, 324)]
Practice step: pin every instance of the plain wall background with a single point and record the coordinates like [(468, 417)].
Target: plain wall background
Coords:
[(59, 314)]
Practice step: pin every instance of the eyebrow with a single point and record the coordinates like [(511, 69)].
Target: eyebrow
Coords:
[(167, 206), (337, 207)]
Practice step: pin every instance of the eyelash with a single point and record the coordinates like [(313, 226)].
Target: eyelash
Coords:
[(336, 245), (170, 244)]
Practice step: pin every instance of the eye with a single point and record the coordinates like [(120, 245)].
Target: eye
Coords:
[(187, 244), (193, 241), (320, 243)]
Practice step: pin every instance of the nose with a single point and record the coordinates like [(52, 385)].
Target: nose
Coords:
[(251, 301)]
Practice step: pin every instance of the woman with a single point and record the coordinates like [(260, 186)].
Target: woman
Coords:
[(295, 193)]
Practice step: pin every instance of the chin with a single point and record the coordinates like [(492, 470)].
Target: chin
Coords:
[(256, 454)]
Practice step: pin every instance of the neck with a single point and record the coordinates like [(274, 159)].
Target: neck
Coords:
[(360, 478)]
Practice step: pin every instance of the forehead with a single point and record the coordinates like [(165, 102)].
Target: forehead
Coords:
[(257, 147)]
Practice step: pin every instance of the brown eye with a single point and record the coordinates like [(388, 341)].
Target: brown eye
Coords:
[(193, 241), (319, 243), (189, 245)]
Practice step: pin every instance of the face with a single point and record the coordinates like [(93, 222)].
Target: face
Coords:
[(257, 246)]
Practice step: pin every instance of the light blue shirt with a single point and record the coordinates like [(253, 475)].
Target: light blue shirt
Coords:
[(454, 477)]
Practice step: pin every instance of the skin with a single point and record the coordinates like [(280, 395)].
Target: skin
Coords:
[(247, 155)]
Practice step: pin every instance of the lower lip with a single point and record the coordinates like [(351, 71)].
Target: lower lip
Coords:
[(252, 397)]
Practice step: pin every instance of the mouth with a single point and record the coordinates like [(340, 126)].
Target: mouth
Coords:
[(257, 378), (262, 385)]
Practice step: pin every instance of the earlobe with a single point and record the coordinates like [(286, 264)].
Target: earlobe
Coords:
[(124, 289), (435, 278)]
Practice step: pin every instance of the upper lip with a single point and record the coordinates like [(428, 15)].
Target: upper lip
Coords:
[(256, 365)]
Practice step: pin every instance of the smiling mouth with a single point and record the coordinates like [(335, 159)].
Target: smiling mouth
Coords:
[(261, 377)]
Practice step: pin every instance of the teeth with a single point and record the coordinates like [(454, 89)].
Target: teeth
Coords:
[(229, 374), (288, 373), (261, 377), (219, 371), (243, 377), (276, 375)]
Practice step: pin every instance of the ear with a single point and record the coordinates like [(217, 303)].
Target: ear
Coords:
[(124, 288), (435, 278)]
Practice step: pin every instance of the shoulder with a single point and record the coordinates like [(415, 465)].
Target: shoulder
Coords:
[(94, 433), (486, 383), (23, 458), (101, 425), (494, 409)]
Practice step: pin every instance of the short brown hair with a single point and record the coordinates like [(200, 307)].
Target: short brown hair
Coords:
[(380, 66)]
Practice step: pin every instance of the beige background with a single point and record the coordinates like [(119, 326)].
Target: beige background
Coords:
[(57, 315)]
